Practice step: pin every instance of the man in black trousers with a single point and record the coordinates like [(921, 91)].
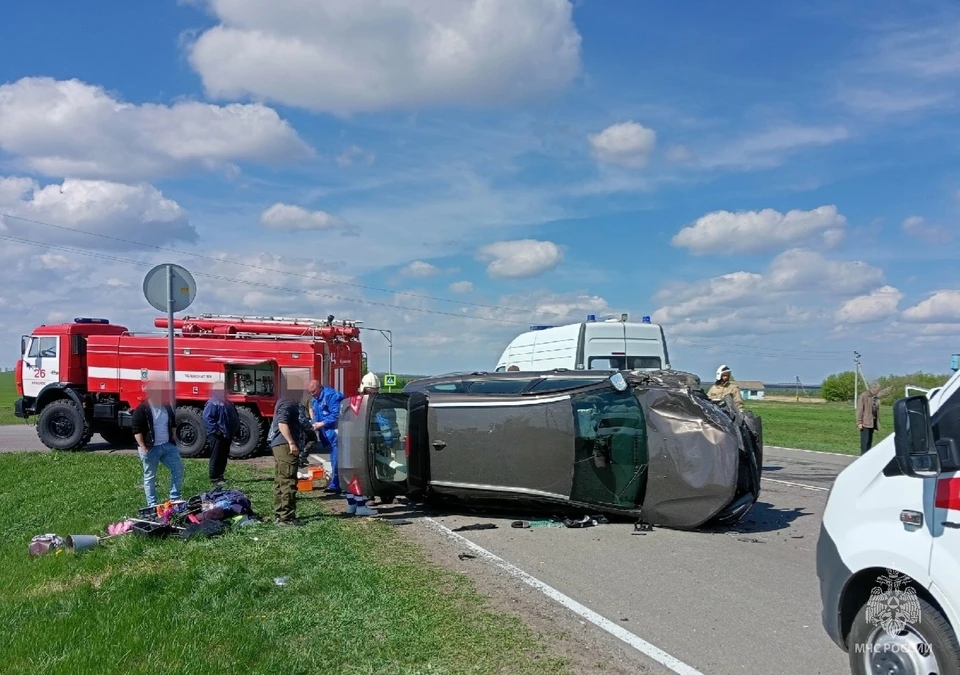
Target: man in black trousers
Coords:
[(222, 423)]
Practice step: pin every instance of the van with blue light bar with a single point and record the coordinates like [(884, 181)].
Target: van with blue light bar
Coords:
[(604, 343)]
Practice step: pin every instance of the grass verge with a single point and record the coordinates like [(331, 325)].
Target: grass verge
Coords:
[(358, 600), (831, 427), (8, 395)]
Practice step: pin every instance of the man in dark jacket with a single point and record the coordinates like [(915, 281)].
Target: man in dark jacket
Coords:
[(154, 427), (285, 438), (222, 424), (868, 416)]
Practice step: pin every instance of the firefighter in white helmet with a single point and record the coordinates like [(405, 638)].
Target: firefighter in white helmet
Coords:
[(357, 504), (725, 385)]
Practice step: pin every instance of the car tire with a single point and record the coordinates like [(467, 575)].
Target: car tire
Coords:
[(250, 438), (191, 432), (932, 630), (118, 437), (63, 426)]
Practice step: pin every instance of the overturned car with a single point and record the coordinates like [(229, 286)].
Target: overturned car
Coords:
[(645, 444)]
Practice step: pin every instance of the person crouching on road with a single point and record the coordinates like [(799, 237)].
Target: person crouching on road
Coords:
[(724, 386), (357, 504), (222, 424), (285, 437), (325, 411), (868, 416), (154, 428)]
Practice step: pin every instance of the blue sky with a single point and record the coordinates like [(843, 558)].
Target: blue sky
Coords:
[(778, 186)]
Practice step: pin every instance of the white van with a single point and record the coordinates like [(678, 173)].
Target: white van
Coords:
[(612, 344), (888, 557)]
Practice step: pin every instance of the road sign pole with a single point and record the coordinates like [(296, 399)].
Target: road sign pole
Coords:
[(171, 363)]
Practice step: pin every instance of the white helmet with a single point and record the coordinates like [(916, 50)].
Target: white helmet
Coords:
[(721, 370), (369, 381)]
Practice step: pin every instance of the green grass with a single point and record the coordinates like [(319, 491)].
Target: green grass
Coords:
[(359, 600), (8, 394), (815, 426)]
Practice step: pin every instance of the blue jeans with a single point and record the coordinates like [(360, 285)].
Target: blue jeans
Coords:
[(169, 456)]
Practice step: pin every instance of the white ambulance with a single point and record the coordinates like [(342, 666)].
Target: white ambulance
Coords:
[(888, 557), (611, 344)]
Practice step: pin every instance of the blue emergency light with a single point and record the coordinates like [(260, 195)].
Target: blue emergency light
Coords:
[(955, 365), (646, 319), (83, 319), (540, 327), (591, 317)]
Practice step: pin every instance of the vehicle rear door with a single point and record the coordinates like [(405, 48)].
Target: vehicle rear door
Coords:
[(41, 363), (376, 435)]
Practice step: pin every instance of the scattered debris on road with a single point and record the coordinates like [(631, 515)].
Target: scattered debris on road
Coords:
[(475, 526)]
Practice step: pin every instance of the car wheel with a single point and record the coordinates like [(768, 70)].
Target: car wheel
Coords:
[(191, 433), (248, 440), (62, 426), (925, 647)]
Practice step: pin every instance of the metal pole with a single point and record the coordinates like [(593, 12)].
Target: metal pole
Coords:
[(171, 365), (856, 378)]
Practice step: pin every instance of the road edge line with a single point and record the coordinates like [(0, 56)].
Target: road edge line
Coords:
[(663, 658), (817, 488), (812, 452)]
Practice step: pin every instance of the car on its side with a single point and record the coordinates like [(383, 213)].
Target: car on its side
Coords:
[(648, 445)]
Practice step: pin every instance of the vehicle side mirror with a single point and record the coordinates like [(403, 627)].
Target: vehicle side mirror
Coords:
[(618, 382), (913, 438), (23, 345)]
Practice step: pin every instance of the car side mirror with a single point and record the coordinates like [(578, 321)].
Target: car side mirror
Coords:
[(913, 438), (618, 382)]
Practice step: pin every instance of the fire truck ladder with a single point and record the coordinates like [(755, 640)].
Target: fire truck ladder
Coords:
[(306, 322)]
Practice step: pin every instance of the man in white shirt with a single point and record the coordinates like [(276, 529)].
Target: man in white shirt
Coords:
[(154, 427)]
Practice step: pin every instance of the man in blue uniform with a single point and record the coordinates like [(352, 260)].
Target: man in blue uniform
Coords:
[(325, 409)]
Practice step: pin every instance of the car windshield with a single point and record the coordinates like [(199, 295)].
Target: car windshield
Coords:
[(624, 363)]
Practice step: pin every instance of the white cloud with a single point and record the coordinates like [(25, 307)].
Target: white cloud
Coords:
[(728, 233), (369, 55), (72, 129), (626, 144), (420, 269), (794, 289), (461, 287), (917, 226), (83, 209), (680, 154), (769, 148), (289, 218), (520, 258), (355, 155), (874, 306), (941, 307)]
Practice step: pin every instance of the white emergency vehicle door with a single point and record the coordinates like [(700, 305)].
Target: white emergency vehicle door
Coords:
[(945, 558), (41, 362)]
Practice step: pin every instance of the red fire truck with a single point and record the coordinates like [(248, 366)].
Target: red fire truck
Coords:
[(85, 378)]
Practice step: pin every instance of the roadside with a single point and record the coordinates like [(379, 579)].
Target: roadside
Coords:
[(827, 427), (357, 598)]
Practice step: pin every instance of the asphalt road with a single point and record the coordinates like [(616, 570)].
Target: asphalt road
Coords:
[(725, 602)]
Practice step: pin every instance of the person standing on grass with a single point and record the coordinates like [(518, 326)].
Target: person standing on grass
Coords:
[(154, 428), (868, 416), (357, 503), (325, 412), (222, 424), (285, 438), (725, 386)]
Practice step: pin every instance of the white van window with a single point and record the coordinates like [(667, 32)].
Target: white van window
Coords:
[(624, 363), (946, 428)]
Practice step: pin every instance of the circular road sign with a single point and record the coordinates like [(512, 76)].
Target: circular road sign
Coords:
[(155, 286)]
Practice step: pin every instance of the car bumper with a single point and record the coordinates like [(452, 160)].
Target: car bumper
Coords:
[(833, 575)]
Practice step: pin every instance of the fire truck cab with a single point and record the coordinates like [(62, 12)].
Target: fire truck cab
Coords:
[(84, 378)]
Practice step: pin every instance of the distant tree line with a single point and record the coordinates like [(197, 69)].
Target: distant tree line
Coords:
[(841, 386)]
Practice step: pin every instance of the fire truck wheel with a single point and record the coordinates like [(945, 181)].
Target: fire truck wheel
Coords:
[(62, 426), (252, 433), (191, 434)]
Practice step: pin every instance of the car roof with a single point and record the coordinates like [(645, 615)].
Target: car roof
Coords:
[(468, 378)]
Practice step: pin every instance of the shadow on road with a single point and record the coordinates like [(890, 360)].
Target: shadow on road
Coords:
[(764, 517)]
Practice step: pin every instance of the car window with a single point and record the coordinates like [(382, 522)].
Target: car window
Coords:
[(34, 348), (946, 426), (447, 387), (48, 347), (610, 448), (388, 435), (498, 386), (558, 384), (624, 363)]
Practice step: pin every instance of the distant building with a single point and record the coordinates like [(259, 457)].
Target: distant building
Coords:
[(750, 389)]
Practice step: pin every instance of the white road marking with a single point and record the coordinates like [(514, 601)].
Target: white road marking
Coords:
[(672, 663), (797, 485), (812, 452)]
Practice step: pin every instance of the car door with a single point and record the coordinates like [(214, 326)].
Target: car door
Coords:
[(41, 363), (945, 528), (610, 455), (492, 442), (376, 436)]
